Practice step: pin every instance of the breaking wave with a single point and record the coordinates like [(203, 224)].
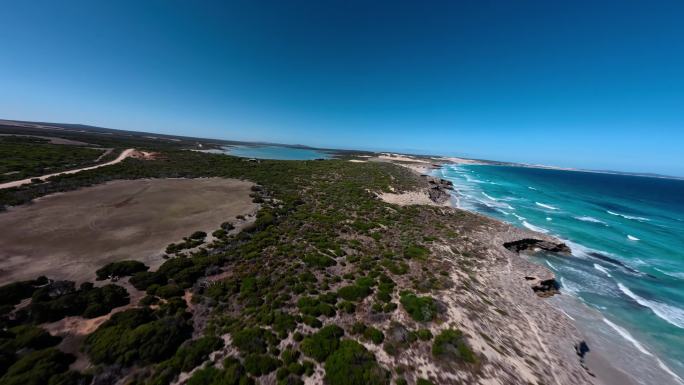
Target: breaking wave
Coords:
[(546, 206), (641, 219), (670, 314)]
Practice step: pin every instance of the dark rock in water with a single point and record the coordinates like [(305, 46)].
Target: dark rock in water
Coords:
[(547, 288), (438, 190), (529, 244)]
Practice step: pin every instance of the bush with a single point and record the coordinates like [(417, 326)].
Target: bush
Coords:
[(451, 344), (421, 309), (70, 377), (169, 291), (422, 381), (352, 364), (322, 343), (415, 252), (374, 335), (60, 299), (13, 293), (120, 269), (424, 334), (354, 292), (260, 364), (145, 279), (30, 337), (36, 368), (137, 336), (253, 340), (318, 260)]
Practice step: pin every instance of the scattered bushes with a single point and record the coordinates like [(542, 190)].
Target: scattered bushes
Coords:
[(233, 373), (260, 364), (415, 252), (354, 292), (37, 368), (13, 293), (120, 269), (60, 299)]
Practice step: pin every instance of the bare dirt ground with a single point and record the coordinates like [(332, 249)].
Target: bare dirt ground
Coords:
[(70, 235)]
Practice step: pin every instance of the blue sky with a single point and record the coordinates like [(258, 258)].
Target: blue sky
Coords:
[(592, 84)]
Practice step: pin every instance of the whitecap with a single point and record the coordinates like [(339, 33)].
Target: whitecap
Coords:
[(549, 219), (632, 238), (602, 269), (550, 265), (545, 206), (642, 219), (535, 228), (531, 188), (670, 314), (503, 212), (590, 219), (566, 314)]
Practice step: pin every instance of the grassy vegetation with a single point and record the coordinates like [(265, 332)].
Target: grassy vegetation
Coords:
[(24, 157), (323, 254), (451, 344)]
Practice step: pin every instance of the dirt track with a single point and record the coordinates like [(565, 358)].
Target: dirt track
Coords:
[(70, 235), (124, 154)]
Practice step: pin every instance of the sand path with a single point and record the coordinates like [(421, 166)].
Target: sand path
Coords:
[(124, 154)]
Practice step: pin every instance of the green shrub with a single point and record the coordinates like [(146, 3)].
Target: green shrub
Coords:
[(260, 364), (145, 279), (374, 335), (70, 377), (354, 292), (422, 381), (421, 309), (415, 252), (169, 291), (320, 344), (13, 293), (60, 299), (424, 334), (137, 336), (30, 337), (347, 307), (253, 340), (289, 356), (318, 260), (36, 368), (352, 364), (451, 344), (120, 269)]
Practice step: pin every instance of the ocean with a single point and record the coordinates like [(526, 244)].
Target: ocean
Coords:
[(627, 265), (275, 152)]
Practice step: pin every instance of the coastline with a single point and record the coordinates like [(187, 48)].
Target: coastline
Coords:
[(556, 332)]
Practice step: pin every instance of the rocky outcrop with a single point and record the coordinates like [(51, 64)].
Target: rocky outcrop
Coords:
[(546, 288), (438, 189), (537, 245)]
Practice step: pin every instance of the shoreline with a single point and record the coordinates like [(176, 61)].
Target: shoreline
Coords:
[(595, 362), (614, 352)]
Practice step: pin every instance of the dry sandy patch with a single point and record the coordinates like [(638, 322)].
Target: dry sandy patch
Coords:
[(70, 235)]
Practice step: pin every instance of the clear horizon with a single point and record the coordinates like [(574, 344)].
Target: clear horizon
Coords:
[(585, 85)]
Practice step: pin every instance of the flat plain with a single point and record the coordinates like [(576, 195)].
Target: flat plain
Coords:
[(70, 235)]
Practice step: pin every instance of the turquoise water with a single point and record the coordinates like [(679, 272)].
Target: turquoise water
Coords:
[(276, 152), (627, 239)]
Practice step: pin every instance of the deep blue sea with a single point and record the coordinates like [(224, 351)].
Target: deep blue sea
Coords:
[(627, 239), (275, 152)]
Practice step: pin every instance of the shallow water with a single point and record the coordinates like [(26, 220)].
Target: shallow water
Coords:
[(275, 152), (627, 239)]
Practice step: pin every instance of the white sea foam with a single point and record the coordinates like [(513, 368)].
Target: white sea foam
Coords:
[(566, 314), (545, 206), (550, 265), (503, 212), (670, 314), (535, 228), (625, 334), (632, 238), (520, 218), (489, 197), (642, 219), (531, 188), (549, 219), (569, 286), (590, 219), (602, 269)]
